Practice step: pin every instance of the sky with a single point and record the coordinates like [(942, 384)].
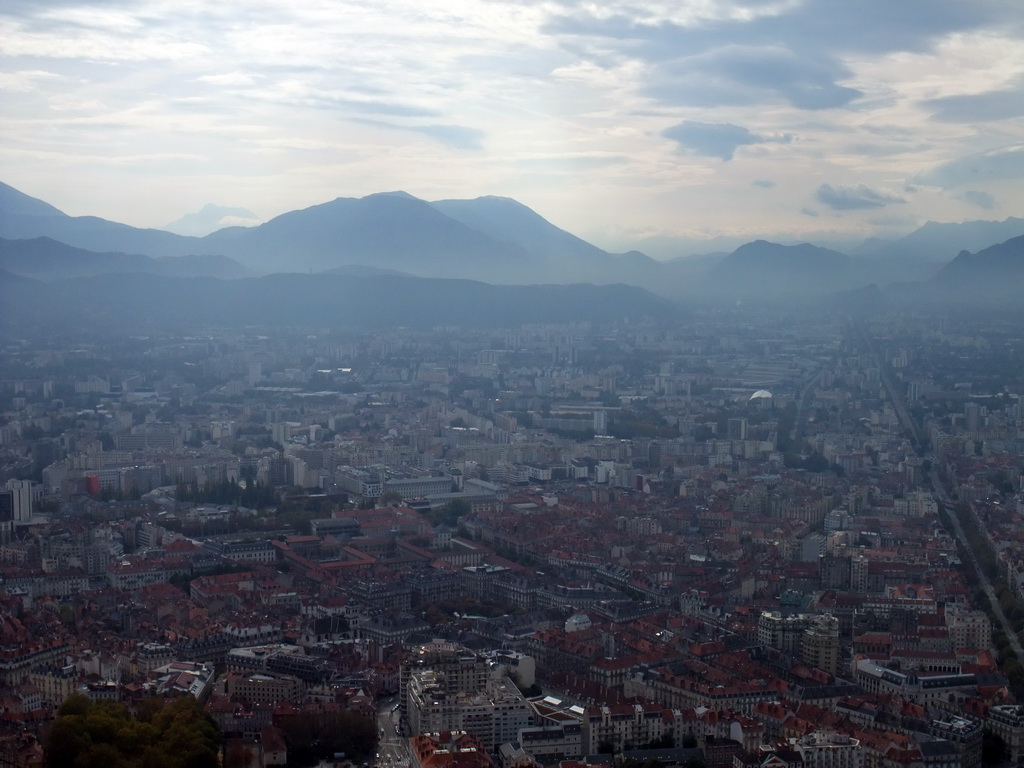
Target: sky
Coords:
[(672, 126)]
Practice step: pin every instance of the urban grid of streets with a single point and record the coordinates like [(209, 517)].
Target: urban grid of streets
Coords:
[(941, 494), (707, 471)]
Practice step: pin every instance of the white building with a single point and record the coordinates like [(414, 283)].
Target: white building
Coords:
[(825, 749), (495, 715)]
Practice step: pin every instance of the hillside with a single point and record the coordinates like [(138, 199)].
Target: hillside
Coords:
[(152, 302)]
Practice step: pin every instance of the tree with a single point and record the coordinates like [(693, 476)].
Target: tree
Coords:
[(107, 735), (236, 756), (665, 742), (102, 756), (313, 737), (450, 513), (75, 704), (66, 740), (993, 748)]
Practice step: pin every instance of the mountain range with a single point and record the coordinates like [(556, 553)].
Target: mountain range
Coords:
[(493, 240), (993, 276), (44, 257), (147, 303), (211, 218)]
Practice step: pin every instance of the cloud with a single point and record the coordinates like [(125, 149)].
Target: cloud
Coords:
[(989, 106), (737, 75), (458, 136), (571, 162), (981, 199), (1002, 163), (870, 26), (26, 81), (298, 94), (809, 212), (854, 198), (711, 139), (793, 52), (718, 139), (548, 102), (228, 78)]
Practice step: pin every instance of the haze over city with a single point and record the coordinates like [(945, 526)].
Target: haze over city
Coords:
[(498, 384), (656, 126)]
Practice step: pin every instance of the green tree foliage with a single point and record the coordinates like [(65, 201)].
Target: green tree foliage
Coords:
[(162, 734), (253, 495), (993, 748), (668, 741), (313, 737), (640, 421), (450, 513), (236, 755), (815, 462)]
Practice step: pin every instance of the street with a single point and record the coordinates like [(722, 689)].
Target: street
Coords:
[(392, 751), (941, 497)]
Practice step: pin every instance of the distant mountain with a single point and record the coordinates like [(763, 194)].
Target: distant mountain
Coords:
[(938, 243), (508, 221), (210, 218), (565, 256), (17, 204), (495, 240), (995, 274), (362, 270), (867, 300), (149, 302), (388, 231), (43, 257), (869, 246), (491, 239), (765, 270), (23, 217), (685, 270)]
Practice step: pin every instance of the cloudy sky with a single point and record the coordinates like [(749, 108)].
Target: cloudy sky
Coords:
[(650, 124)]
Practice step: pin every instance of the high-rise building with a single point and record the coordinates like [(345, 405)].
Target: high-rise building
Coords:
[(974, 416), (968, 628), (813, 638), (737, 428), (462, 669), (447, 687), (495, 714), (20, 499), (821, 643), (782, 632)]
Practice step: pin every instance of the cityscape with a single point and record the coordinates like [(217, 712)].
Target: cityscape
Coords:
[(750, 538), (512, 384)]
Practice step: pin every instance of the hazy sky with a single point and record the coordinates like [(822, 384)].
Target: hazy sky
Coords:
[(618, 121)]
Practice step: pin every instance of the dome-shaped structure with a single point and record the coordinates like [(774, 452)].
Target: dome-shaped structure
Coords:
[(761, 394)]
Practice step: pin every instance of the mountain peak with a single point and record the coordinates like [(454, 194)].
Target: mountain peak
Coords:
[(16, 203), (993, 274), (396, 193), (210, 218)]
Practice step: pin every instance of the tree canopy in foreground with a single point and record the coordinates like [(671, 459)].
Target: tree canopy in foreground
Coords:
[(105, 734)]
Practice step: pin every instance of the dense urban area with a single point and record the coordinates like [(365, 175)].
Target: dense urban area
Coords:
[(749, 538)]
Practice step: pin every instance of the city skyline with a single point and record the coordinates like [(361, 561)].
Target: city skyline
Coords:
[(658, 128)]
